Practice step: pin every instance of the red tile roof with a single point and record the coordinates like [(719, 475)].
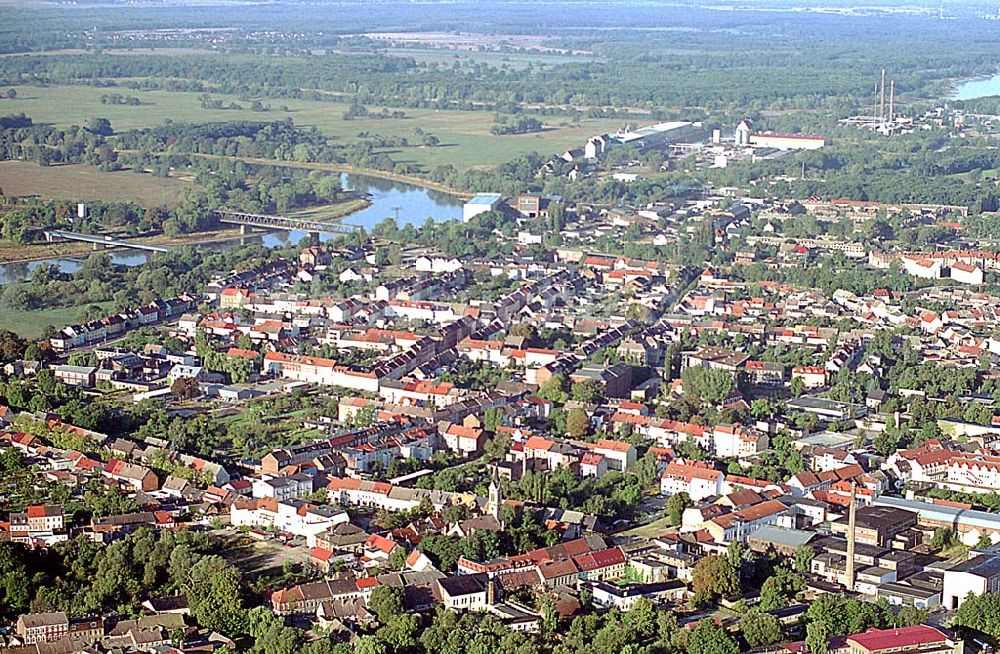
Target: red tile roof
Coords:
[(36, 511), (614, 446), (381, 543), (320, 554), (600, 559), (875, 640), (366, 582)]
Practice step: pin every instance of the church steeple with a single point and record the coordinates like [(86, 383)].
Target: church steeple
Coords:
[(495, 498)]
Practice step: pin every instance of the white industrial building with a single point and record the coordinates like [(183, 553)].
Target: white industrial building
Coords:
[(655, 135), (978, 575), (480, 203)]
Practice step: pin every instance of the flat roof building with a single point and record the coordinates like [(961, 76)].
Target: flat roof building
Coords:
[(828, 409), (654, 135), (782, 141), (480, 203), (969, 523), (878, 525), (784, 541)]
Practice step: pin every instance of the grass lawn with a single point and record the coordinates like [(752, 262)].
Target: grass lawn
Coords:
[(654, 528), (32, 324), (465, 135), (83, 182)]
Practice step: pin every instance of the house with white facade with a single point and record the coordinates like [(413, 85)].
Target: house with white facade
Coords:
[(697, 481), (294, 516), (285, 487)]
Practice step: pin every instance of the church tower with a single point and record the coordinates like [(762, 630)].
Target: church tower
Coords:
[(495, 498)]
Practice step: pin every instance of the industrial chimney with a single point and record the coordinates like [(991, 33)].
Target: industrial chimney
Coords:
[(881, 102), (892, 99), (849, 571)]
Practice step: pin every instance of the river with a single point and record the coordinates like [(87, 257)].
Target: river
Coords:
[(389, 199), (977, 88), (413, 205)]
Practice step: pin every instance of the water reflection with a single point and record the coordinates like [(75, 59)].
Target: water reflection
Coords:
[(407, 203), (977, 88), (21, 270), (410, 205)]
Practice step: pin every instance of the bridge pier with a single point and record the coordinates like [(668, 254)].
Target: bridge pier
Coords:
[(245, 229), (314, 238)]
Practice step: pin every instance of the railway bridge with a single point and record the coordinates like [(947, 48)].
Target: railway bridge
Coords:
[(251, 221)]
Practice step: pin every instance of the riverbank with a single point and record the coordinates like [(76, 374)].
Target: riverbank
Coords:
[(332, 212), (983, 86), (412, 180), (10, 253), (75, 249)]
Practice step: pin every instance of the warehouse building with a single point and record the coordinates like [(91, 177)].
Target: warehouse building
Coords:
[(781, 141), (656, 135), (978, 575), (481, 203)]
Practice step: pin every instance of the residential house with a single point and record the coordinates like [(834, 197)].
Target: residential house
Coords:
[(76, 375), (465, 592), (286, 487), (811, 376), (698, 481), (136, 477), (41, 627)]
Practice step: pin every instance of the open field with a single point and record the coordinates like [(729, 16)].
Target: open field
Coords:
[(32, 324), (512, 60), (465, 135), (83, 182), (471, 41), (347, 168)]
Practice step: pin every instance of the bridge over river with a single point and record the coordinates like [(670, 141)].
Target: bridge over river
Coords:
[(248, 221), (99, 241)]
